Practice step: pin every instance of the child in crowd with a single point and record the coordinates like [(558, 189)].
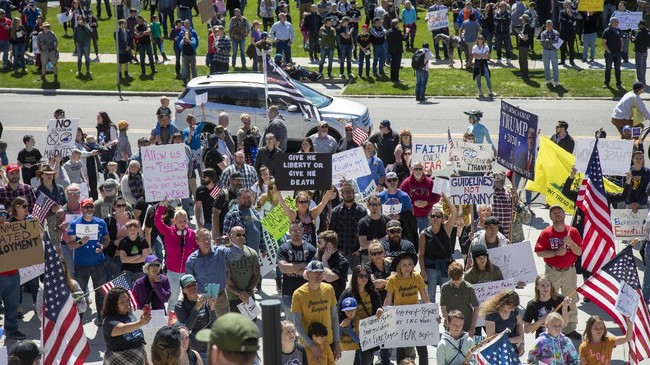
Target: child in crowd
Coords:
[(92, 143), (157, 37), (74, 168), (455, 343), (553, 347), (318, 332), (292, 352), (350, 327), (597, 346), (4, 160), (112, 171), (133, 249), (164, 107)]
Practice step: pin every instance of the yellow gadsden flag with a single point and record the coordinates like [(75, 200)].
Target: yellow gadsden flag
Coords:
[(552, 167)]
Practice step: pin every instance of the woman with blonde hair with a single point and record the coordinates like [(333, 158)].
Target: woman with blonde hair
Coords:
[(18, 39), (501, 312)]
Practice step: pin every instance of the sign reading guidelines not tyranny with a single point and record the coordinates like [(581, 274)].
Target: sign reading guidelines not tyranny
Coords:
[(60, 138), (471, 190), (401, 326), (303, 171), (20, 245), (164, 171)]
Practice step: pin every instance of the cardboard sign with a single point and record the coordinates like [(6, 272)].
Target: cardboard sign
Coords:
[(276, 222), (471, 190), (612, 154), (628, 20), (437, 19), (516, 261), (517, 140), (30, 272), (440, 186), (348, 165), (206, 10), (486, 290), (472, 157), (627, 301), (164, 170), (401, 326), (303, 171), (591, 5), (250, 309), (20, 245), (87, 230), (626, 224), (434, 157), (60, 138)]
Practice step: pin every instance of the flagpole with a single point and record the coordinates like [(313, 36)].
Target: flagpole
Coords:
[(266, 81), (99, 287)]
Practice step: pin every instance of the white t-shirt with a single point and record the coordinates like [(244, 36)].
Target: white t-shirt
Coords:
[(481, 51)]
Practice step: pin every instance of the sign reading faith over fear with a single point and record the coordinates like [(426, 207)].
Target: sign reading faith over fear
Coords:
[(20, 245), (164, 171), (401, 326), (60, 138), (627, 224), (348, 165), (303, 171), (472, 157), (433, 156), (517, 140), (613, 153), (471, 190)]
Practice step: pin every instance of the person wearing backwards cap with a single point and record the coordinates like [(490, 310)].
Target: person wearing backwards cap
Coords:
[(166, 346), (25, 353), (624, 112), (233, 340)]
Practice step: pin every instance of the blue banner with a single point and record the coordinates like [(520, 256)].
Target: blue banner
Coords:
[(517, 140)]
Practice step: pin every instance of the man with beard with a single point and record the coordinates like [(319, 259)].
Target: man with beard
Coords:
[(204, 198), (393, 243), (224, 201), (14, 188), (335, 265), (371, 227), (246, 172), (345, 220), (243, 215)]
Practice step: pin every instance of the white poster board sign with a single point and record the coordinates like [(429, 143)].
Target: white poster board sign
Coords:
[(627, 301), (471, 190), (472, 157), (626, 224), (348, 165), (401, 326), (434, 157), (30, 272), (516, 261), (269, 262), (440, 186), (164, 170), (87, 230), (628, 20), (374, 332), (611, 151), (201, 99), (250, 309), (486, 290), (438, 19), (60, 137)]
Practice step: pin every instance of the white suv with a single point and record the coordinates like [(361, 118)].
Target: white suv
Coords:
[(237, 93)]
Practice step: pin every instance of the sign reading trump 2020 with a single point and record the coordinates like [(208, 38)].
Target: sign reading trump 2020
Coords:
[(517, 140), (164, 171), (60, 138)]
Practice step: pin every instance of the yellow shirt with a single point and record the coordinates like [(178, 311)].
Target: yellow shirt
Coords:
[(365, 304), (328, 355), (598, 353), (405, 290), (315, 306), (347, 343)]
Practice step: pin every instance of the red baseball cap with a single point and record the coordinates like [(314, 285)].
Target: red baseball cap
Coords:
[(12, 167), (87, 201)]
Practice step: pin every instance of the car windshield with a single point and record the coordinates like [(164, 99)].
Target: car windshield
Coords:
[(319, 100)]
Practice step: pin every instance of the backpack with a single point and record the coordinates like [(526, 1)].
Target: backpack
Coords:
[(417, 62)]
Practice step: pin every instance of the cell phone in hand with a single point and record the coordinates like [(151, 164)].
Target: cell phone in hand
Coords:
[(146, 310)]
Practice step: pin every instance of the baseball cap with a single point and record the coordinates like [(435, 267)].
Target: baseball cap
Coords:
[(167, 337), (385, 123), (627, 128), (87, 201), (393, 224), (315, 266), (186, 280), (554, 206), (12, 167), (27, 351), (348, 304), (391, 175), (232, 332), (478, 250), (264, 35)]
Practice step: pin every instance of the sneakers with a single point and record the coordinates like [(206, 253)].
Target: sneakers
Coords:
[(556, 84), (574, 335), (15, 335)]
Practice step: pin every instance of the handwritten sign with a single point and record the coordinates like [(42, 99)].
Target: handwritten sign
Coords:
[(164, 170), (401, 326), (206, 10), (87, 230), (516, 261), (438, 19), (303, 171), (627, 301), (628, 20), (20, 245), (60, 138), (362, 196), (30, 272), (484, 291), (441, 186), (627, 224), (611, 151), (276, 222), (350, 164), (517, 140), (434, 157), (250, 310), (472, 157), (590, 5), (471, 190)]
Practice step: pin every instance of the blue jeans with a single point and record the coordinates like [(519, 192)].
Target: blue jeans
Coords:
[(423, 222), (549, 58), (113, 266), (329, 53), (641, 63), (608, 10), (283, 48), (10, 295), (589, 44), (68, 256), (33, 290), (421, 79), (146, 48), (175, 287), (185, 14), (615, 59), (488, 81), (503, 38), (345, 58), (19, 55), (241, 44), (364, 58), (4, 48), (83, 50), (489, 37), (435, 278), (82, 274), (286, 307), (378, 56)]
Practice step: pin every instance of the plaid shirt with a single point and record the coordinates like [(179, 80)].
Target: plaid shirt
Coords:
[(250, 176), (222, 49), (7, 195), (345, 222), (502, 209)]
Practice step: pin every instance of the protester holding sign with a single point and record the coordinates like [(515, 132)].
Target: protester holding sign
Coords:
[(305, 215), (18, 212)]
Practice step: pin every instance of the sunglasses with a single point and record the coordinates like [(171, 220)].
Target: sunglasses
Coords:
[(74, 192), (376, 253), (435, 216), (303, 202), (155, 265), (88, 207), (374, 204), (417, 169), (391, 180), (120, 205), (240, 235), (407, 153), (395, 230), (363, 276)]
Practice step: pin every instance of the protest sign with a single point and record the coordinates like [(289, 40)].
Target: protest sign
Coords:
[(87, 230), (30, 272), (401, 326), (303, 171), (611, 151), (4, 355), (515, 261), (486, 290), (627, 300), (628, 20), (60, 138), (517, 140), (71, 217), (472, 157), (206, 10), (590, 5), (201, 98), (348, 165), (164, 169), (64, 17), (433, 156), (276, 222), (269, 262), (626, 224), (362, 196), (250, 309), (391, 209), (440, 186), (20, 245), (438, 19), (471, 190)]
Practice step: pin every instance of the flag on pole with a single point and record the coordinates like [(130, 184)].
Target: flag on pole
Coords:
[(62, 333), (215, 191), (598, 238), (497, 351), (358, 134), (603, 288), (43, 206), (280, 85), (120, 282), (450, 141)]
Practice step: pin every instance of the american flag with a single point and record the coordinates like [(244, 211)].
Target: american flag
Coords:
[(215, 191), (62, 333), (450, 141), (43, 206), (358, 134), (598, 239), (120, 282), (603, 288), (279, 85), (497, 351)]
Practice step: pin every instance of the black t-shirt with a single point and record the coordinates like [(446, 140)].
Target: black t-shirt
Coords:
[(352, 14), (127, 341), (203, 195), (386, 144), (339, 33), (363, 40), (536, 310), (394, 250), (613, 38), (380, 273), (225, 200), (304, 253), (145, 39), (211, 159), (530, 32), (151, 214), (373, 229), (133, 248), (32, 157), (142, 206), (339, 266)]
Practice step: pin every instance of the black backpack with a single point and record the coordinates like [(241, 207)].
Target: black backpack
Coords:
[(417, 62)]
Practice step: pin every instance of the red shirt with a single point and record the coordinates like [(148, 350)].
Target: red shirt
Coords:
[(420, 190), (549, 239)]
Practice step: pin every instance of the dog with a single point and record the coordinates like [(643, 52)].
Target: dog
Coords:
[(453, 43)]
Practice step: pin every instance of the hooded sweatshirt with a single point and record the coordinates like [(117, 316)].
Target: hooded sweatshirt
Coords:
[(448, 349), (553, 350)]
